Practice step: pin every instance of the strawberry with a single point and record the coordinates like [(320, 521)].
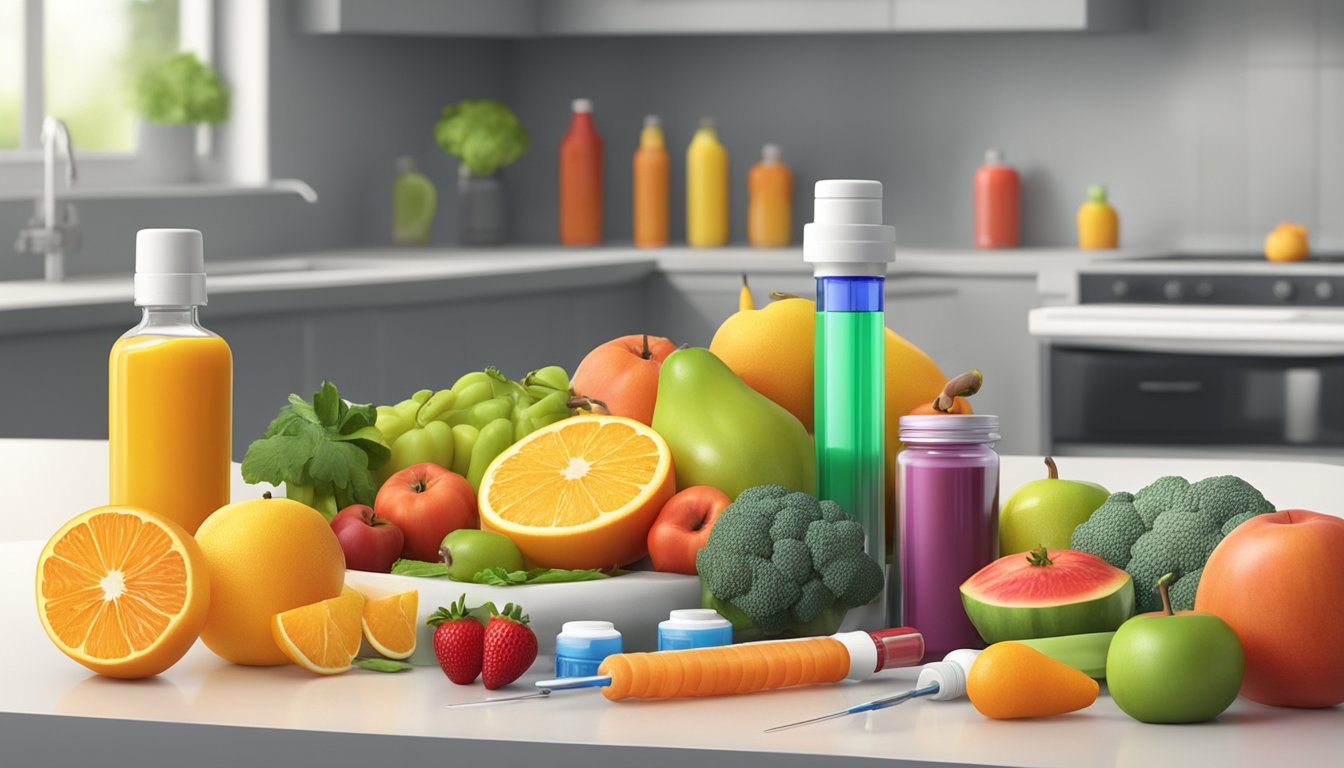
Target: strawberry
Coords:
[(459, 639), (510, 647)]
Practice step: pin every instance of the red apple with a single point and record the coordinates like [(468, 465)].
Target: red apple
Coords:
[(369, 542), (682, 528), (1278, 581), (426, 502)]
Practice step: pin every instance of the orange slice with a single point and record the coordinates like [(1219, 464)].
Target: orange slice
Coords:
[(389, 624), (122, 591), (579, 493), (321, 637)]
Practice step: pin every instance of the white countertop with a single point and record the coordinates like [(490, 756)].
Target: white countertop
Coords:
[(204, 711)]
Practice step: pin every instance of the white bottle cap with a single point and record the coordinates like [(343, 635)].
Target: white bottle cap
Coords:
[(693, 619), (582, 105), (950, 674), (169, 268), (993, 157), (652, 121), (847, 237), (708, 124), (591, 630), (771, 153)]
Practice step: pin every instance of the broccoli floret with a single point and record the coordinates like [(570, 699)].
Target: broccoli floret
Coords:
[(1171, 526), (779, 562)]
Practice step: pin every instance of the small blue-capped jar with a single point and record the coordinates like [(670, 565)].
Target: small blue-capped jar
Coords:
[(582, 645), (694, 628)]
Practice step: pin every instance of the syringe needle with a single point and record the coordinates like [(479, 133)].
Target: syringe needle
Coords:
[(867, 706)]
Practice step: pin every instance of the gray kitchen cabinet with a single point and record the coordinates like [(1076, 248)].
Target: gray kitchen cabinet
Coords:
[(980, 322), (682, 17), (55, 384), (574, 18), (444, 18)]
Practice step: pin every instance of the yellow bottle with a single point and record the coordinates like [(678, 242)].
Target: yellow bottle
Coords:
[(770, 209), (170, 390), (706, 188), (1098, 225)]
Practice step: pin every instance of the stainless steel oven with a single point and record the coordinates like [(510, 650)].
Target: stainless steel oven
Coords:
[(1209, 357)]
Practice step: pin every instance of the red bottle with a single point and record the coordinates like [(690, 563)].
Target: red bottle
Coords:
[(581, 179), (996, 204)]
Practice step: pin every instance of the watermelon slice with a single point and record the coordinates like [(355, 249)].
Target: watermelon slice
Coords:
[(1047, 593)]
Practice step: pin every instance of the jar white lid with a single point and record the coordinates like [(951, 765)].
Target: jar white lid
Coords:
[(594, 630), (694, 619)]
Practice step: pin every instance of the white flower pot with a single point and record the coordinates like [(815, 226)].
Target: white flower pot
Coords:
[(167, 153)]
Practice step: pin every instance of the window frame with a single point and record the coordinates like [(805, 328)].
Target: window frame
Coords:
[(19, 167)]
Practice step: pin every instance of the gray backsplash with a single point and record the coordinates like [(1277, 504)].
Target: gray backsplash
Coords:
[(1217, 121)]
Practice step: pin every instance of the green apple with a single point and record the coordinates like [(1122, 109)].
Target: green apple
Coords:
[(1043, 513), (468, 551), (1174, 667)]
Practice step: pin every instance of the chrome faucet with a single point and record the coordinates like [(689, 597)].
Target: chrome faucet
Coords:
[(53, 229)]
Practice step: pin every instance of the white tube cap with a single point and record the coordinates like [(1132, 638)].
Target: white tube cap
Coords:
[(169, 268), (950, 674), (582, 105), (847, 236)]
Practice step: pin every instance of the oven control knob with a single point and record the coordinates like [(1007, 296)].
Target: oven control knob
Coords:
[(1173, 290), (1204, 290), (1283, 290), (1325, 291), (1120, 288)]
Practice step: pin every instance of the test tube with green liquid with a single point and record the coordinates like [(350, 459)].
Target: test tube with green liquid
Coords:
[(849, 248)]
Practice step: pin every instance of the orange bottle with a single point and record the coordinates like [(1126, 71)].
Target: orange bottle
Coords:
[(996, 203), (651, 179), (170, 390), (770, 210), (581, 179)]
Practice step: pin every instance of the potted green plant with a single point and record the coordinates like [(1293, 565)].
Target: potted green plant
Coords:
[(485, 136), (174, 96)]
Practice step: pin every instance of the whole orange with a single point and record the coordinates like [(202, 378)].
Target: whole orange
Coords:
[(623, 374), (1278, 581), (265, 556)]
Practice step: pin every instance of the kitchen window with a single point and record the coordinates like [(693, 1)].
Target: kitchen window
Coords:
[(79, 60)]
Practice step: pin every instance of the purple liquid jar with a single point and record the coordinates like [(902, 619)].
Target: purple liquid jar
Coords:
[(948, 523)]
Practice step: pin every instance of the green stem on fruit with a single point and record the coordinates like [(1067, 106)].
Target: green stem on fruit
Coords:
[(961, 385), (1039, 556), (1162, 590), (1052, 469), (583, 401)]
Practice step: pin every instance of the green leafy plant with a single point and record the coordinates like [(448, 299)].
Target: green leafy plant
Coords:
[(483, 134), (182, 90), (324, 452)]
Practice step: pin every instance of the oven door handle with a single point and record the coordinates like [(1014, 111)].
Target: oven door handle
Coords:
[(1171, 387)]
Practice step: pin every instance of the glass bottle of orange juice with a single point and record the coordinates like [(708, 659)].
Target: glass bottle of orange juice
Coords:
[(170, 389)]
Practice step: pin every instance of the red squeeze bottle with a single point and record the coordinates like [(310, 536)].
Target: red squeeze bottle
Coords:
[(581, 179), (996, 204)]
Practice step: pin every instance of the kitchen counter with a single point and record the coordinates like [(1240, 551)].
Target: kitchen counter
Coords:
[(378, 275), (205, 712)]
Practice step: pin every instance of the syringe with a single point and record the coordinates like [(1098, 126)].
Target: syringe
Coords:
[(939, 680), (745, 668)]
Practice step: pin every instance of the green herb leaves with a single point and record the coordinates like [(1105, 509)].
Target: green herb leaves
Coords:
[(498, 576), (324, 452), (374, 664)]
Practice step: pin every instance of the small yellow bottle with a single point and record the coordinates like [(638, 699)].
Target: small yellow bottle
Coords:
[(1098, 224), (706, 189)]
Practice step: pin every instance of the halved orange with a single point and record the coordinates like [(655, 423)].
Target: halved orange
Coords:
[(389, 624), (122, 591), (321, 637), (579, 493)]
